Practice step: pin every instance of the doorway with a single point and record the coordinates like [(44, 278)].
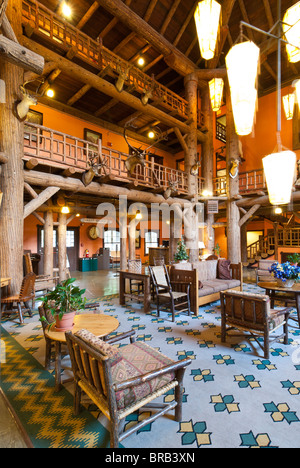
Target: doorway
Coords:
[(72, 248)]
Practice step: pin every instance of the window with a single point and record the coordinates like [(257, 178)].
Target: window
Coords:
[(112, 240), (151, 240), (54, 238)]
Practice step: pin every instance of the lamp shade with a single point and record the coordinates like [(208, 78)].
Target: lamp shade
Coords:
[(207, 18), (242, 68), (296, 84), (288, 105), (201, 245), (279, 171), (216, 86), (291, 29)]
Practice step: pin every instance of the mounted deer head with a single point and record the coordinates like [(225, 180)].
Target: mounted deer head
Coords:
[(171, 190), (22, 107)]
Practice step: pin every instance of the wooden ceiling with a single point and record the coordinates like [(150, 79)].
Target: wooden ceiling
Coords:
[(173, 20)]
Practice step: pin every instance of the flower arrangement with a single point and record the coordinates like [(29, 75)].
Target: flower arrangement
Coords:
[(285, 271)]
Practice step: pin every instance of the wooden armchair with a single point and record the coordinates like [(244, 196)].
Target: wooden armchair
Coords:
[(252, 313), (118, 380), (22, 299), (171, 294)]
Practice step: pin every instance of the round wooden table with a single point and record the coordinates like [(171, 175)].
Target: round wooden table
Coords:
[(98, 324)]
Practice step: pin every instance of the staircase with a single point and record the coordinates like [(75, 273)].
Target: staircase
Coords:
[(265, 246)]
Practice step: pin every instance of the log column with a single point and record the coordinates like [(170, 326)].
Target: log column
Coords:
[(190, 158), (208, 162), (11, 178), (48, 243), (233, 215), (62, 246)]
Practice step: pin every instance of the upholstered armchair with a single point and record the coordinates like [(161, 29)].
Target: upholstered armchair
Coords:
[(252, 313), (122, 380)]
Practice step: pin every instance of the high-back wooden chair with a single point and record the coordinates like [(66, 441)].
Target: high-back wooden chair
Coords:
[(21, 300), (135, 266), (175, 296), (252, 313), (119, 382)]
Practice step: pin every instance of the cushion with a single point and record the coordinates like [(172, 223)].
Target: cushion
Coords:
[(137, 359), (202, 270), (211, 268), (200, 284), (223, 269), (99, 345), (274, 319)]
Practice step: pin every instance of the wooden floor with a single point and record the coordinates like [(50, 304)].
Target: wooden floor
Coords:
[(97, 284)]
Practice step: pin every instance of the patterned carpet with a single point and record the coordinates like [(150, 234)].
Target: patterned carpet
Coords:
[(233, 397)]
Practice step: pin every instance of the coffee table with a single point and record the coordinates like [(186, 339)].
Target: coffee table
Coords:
[(98, 324), (283, 294)]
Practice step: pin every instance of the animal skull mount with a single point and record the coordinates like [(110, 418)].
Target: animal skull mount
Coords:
[(22, 106), (195, 168), (171, 190), (233, 167)]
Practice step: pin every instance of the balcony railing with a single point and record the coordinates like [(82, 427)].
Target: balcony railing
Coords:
[(49, 25)]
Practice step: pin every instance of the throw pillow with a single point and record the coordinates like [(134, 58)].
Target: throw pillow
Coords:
[(99, 345), (200, 285), (223, 270)]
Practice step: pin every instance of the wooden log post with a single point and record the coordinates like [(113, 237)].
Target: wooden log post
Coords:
[(131, 238), (233, 215), (123, 232), (207, 165), (190, 158), (48, 243), (11, 178), (62, 246)]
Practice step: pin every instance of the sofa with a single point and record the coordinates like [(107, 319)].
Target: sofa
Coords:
[(207, 279)]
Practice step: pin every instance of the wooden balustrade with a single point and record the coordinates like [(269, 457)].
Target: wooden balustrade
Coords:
[(48, 24)]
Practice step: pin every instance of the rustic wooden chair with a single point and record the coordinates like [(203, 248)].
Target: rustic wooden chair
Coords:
[(26, 294), (252, 313), (119, 382), (173, 295), (136, 267)]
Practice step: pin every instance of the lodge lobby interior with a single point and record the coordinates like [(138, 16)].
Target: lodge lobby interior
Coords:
[(123, 134)]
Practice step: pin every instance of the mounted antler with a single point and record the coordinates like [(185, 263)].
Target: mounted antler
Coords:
[(172, 188), (137, 156), (22, 106)]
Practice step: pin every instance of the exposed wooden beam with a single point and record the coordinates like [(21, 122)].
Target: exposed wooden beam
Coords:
[(248, 215), (42, 198), (105, 87), (118, 9), (87, 15), (19, 55)]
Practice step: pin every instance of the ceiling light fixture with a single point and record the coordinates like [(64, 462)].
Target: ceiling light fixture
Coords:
[(141, 61), (66, 10), (242, 70), (216, 86), (65, 210), (50, 93), (291, 29), (207, 19), (288, 105)]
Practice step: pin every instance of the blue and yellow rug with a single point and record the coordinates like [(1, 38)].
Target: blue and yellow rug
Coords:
[(233, 397)]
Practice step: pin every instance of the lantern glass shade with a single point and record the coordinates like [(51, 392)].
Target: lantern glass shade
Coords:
[(279, 171), (242, 68), (291, 30), (216, 86), (207, 18), (296, 85), (288, 105)]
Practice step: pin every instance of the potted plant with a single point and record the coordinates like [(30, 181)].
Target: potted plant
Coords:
[(294, 258), (217, 250), (285, 273), (181, 253), (63, 303)]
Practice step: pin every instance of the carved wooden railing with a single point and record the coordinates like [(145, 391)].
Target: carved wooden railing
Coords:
[(49, 25), (59, 149)]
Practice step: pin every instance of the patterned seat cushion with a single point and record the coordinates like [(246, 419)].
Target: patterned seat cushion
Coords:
[(137, 359)]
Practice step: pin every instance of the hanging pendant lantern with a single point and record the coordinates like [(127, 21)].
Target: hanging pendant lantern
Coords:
[(296, 85), (216, 86), (291, 29), (288, 105), (207, 18), (242, 68), (279, 170)]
